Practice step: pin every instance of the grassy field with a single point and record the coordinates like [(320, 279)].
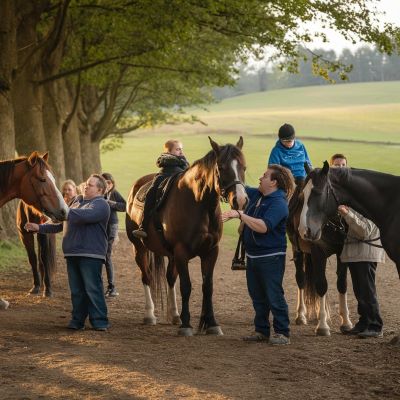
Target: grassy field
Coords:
[(369, 112)]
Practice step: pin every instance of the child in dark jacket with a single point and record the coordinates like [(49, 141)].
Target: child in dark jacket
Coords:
[(116, 203), (171, 162)]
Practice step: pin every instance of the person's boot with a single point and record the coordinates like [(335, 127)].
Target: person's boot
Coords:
[(139, 233)]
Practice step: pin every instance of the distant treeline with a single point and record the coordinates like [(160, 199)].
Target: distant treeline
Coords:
[(369, 65)]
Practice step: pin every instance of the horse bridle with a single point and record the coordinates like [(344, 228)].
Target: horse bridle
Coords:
[(224, 190), (340, 227)]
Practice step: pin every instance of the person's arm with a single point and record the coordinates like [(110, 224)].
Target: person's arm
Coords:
[(306, 156), (359, 226), (119, 203), (274, 157), (255, 224), (43, 228)]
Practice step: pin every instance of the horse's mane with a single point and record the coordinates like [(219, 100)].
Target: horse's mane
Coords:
[(7, 168), (202, 171)]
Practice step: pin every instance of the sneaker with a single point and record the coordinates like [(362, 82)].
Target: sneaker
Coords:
[(370, 334), (256, 337), (100, 329), (353, 331), (139, 233), (112, 292), (279, 339), (75, 327)]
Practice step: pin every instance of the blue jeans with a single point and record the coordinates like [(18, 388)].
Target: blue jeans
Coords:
[(264, 282), (87, 292), (112, 232)]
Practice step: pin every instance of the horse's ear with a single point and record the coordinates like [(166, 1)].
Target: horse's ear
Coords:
[(32, 159), (307, 167), (240, 143), (46, 156), (325, 168), (214, 145)]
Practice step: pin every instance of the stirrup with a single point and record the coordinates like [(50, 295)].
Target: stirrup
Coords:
[(238, 265)]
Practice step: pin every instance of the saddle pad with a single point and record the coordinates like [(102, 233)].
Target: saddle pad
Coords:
[(140, 196)]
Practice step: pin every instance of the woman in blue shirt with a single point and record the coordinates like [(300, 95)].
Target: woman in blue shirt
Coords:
[(264, 237)]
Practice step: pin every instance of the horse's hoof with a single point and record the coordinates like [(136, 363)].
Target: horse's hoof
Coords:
[(176, 320), (214, 330), (345, 328), (149, 321), (4, 304), (323, 332), (185, 332), (301, 320), (48, 294), (35, 290)]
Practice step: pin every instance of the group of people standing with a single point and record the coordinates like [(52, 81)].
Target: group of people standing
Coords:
[(92, 228), (264, 238)]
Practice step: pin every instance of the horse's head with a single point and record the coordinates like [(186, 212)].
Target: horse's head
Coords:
[(231, 167), (38, 188), (319, 203)]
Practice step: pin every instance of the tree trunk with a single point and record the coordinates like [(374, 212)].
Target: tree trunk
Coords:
[(8, 57), (88, 166), (53, 119), (27, 95), (95, 146)]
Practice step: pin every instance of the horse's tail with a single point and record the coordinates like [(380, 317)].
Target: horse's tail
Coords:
[(158, 281), (311, 297), (47, 253)]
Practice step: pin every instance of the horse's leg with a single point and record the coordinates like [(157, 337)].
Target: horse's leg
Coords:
[(142, 260), (181, 262), (341, 272), (207, 319), (318, 260), (301, 309), (44, 265), (28, 241), (172, 307)]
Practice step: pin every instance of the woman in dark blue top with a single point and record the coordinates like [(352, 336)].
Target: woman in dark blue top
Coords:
[(116, 203), (264, 237)]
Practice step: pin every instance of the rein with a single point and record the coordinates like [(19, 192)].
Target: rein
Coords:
[(224, 191)]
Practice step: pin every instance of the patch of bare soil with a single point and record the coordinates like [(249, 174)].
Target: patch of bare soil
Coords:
[(40, 359)]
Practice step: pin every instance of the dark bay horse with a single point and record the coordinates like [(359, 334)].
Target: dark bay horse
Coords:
[(375, 195), (46, 256), (310, 260), (30, 179), (191, 226)]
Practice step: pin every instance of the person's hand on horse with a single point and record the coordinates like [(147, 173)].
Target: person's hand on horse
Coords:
[(31, 227), (343, 210), (227, 215)]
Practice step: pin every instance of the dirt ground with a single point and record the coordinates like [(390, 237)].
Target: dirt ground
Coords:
[(40, 359)]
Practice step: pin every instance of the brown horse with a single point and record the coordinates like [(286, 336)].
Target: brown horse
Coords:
[(46, 257), (190, 225), (30, 179)]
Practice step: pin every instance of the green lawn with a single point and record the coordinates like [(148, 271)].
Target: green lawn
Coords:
[(358, 111)]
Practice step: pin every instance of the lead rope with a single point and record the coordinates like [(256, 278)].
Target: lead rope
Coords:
[(239, 263)]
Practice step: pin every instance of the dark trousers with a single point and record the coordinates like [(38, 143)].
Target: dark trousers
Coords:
[(87, 292), (112, 232), (363, 278), (264, 282)]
